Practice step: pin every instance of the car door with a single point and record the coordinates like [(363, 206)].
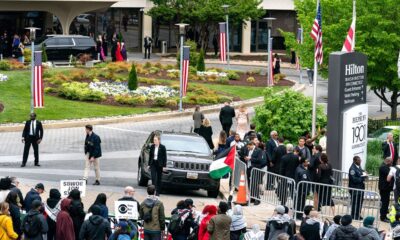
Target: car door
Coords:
[(51, 49), (146, 150), (65, 46)]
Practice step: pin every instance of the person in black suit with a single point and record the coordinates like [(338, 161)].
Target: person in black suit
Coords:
[(389, 149), (272, 144), (157, 162), (287, 168), (276, 159), (225, 117), (93, 153), (253, 156), (32, 135)]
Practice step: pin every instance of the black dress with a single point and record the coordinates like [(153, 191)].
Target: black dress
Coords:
[(206, 133), (325, 177)]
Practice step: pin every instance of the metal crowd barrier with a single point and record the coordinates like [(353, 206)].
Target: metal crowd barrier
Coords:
[(240, 167), (271, 188), (342, 179), (337, 200)]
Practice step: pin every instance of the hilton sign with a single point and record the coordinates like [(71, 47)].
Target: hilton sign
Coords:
[(347, 109)]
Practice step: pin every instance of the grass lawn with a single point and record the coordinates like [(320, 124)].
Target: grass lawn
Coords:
[(15, 95)]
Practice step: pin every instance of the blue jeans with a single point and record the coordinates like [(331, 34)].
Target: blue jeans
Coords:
[(152, 236), (180, 237)]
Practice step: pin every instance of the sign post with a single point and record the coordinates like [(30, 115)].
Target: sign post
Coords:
[(126, 210), (347, 109), (66, 186)]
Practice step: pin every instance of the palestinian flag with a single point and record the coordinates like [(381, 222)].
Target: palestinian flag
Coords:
[(223, 164)]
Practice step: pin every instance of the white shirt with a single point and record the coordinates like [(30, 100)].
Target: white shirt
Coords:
[(322, 143), (249, 155), (155, 152), (392, 173), (33, 123)]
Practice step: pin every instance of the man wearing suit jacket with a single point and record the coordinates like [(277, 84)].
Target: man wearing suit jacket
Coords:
[(287, 168), (389, 148), (253, 156), (32, 135), (225, 117), (272, 144), (93, 153), (157, 162)]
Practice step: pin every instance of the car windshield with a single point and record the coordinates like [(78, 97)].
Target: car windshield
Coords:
[(188, 144), (381, 133)]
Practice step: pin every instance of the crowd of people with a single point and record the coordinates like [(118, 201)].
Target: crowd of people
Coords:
[(13, 46), (57, 218)]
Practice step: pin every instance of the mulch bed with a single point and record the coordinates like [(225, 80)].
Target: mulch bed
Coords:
[(1, 107), (261, 80)]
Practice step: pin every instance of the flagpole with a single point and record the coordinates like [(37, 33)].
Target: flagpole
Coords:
[(315, 83), (298, 58)]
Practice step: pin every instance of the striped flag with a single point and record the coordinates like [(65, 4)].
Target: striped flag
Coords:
[(316, 35), (299, 41), (38, 100), (185, 69), (271, 66), (222, 41), (350, 41)]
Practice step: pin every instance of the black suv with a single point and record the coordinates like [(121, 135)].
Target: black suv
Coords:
[(61, 47), (188, 162)]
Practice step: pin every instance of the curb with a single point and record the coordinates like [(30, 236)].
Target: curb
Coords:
[(54, 124)]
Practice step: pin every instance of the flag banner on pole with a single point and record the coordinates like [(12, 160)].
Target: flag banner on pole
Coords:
[(299, 41), (271, 67), (349, 43), (38, 100), (316, 35), (223, 164), (222, 41), (185, 69)]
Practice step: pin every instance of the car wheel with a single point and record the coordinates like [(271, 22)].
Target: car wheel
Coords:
[(213, 193), (141, 178)]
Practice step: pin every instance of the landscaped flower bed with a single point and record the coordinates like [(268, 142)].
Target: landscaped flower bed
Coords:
[(151, 92)]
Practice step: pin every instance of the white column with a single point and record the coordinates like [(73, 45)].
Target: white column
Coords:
[(147, 24), (246, 37)]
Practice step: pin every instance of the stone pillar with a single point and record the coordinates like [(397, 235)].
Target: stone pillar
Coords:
[(147, 28), (246, 37)]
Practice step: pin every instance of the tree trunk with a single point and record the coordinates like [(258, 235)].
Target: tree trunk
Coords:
[(393, 114)]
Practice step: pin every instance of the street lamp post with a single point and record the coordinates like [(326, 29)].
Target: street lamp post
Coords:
[(32, 36), (182, 29), (269, 23), (226, 8)]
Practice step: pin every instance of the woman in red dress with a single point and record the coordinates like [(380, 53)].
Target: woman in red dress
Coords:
[(118, 54)]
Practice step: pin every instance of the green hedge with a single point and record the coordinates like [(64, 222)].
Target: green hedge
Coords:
[(374, 157)]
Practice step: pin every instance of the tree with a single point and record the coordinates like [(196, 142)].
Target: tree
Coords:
[(377, 36), (201, 66), (132, 80), (203, 16), (288, 112)]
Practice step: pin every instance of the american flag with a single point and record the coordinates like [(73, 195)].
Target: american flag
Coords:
[(299, 41), (271, 66), (185, 69), (316, 34), (222, 41), (38, 100), (350, 42)]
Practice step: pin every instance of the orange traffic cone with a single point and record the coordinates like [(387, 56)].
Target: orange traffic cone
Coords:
[(241, 197)]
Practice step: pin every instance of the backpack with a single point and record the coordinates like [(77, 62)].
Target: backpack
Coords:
[(148, 216), (277, 228), (175, 224), (31, 226), (124, 237)]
